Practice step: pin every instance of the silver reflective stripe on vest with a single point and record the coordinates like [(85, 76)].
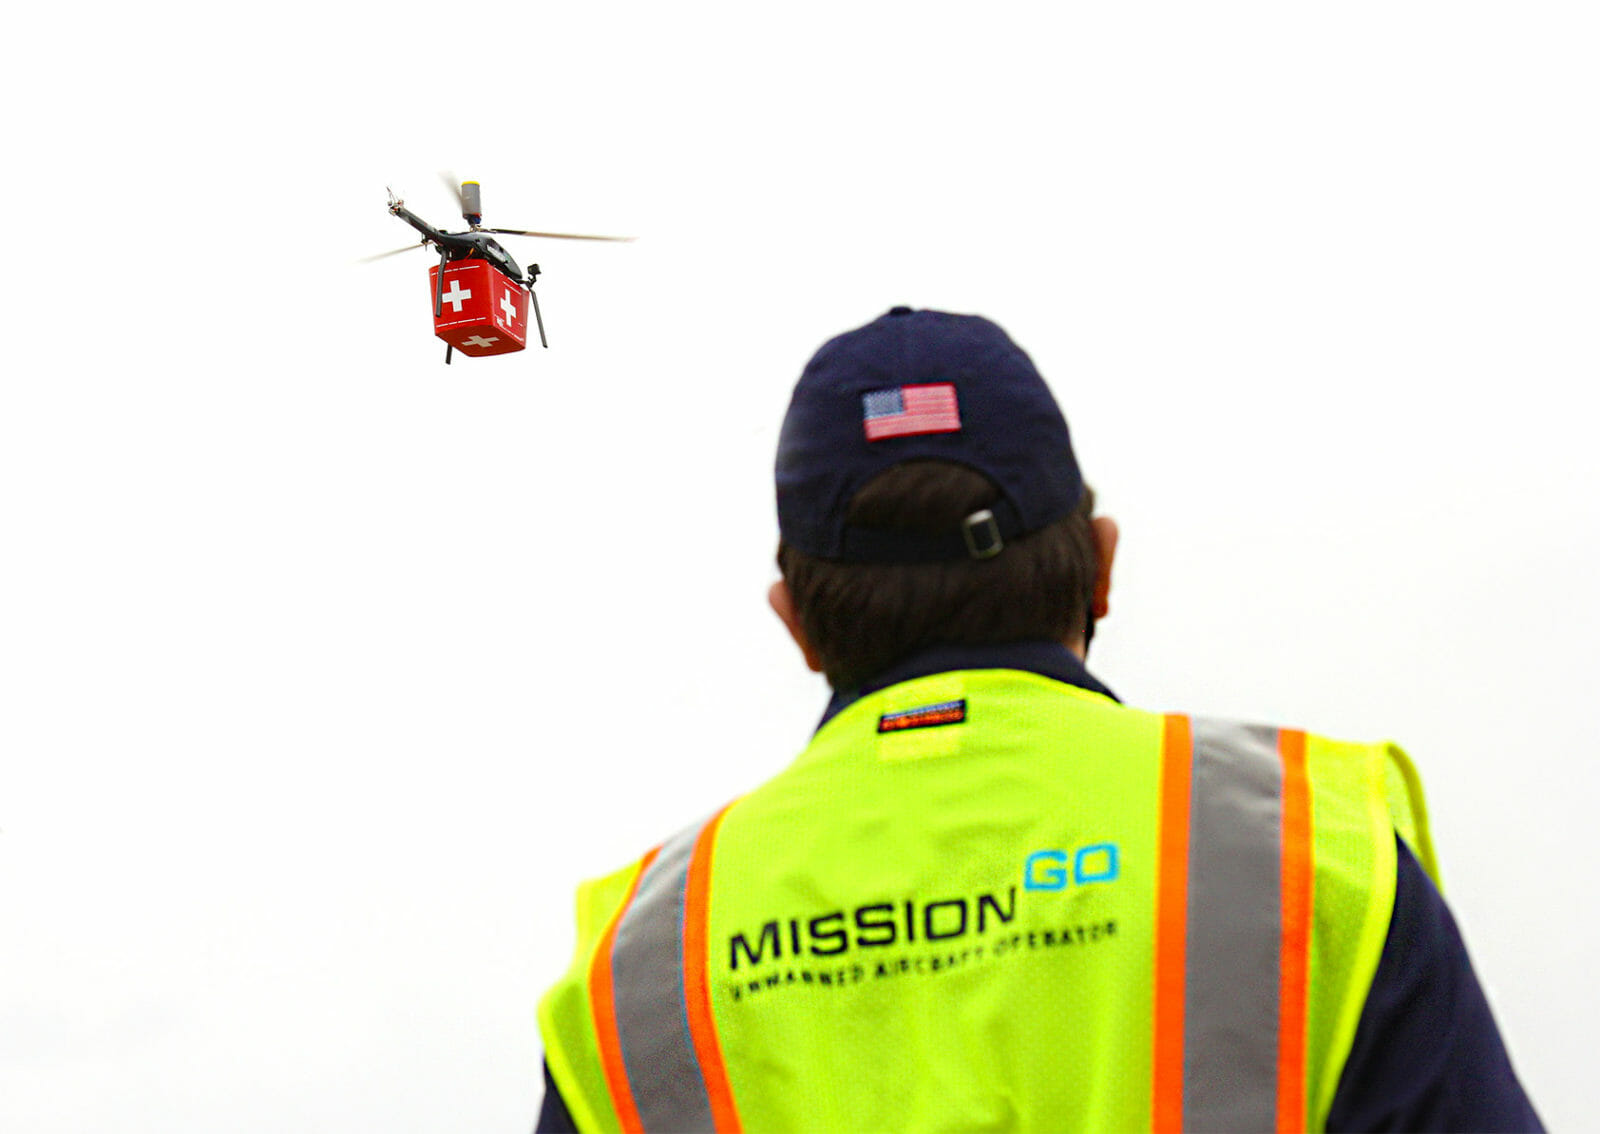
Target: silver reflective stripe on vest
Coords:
[(652, 1021), (1230, 1020)]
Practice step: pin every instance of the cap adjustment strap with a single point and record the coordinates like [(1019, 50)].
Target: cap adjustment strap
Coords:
[(982, 536)]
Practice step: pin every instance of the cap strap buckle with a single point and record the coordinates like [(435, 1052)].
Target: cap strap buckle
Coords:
[(981, 531)]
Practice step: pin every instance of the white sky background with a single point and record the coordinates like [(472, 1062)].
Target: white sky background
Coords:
[(327, 671)]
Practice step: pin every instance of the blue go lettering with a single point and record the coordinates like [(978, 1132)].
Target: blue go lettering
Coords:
[(1047, 869)]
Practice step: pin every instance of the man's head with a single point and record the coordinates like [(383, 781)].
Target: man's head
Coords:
[(928, 493)]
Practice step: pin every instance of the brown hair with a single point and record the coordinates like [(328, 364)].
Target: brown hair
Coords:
[(861, 618)]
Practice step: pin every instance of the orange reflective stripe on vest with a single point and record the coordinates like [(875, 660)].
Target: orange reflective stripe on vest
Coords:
[(651, 1002), (1233, 929), (602, 992)]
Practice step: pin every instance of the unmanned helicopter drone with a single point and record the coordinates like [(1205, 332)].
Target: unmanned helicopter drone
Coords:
[(480, 294)]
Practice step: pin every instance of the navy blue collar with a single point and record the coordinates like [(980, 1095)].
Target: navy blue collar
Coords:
[(1047, 659)]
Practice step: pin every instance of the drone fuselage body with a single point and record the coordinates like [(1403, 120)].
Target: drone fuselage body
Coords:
[(464, 245)]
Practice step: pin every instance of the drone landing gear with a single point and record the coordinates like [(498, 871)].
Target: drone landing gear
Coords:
[(538, 318), (533, 274), (438, 285), (448, 351)]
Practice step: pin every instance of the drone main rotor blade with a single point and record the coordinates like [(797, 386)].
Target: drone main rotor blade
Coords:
[(453, 183), (557, 235), (391, 252)]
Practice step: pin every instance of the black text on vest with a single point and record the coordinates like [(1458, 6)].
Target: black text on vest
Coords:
[(870, 926)]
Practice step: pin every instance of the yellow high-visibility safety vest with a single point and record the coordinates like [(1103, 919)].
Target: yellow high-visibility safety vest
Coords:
[(987, 900)]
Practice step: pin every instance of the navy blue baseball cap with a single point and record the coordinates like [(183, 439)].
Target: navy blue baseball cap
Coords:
[(921, 385)]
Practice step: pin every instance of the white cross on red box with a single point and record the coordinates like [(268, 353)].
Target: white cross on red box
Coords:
[(456, 296)]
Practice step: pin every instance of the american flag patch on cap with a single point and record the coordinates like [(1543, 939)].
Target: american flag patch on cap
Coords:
[(908, 411)]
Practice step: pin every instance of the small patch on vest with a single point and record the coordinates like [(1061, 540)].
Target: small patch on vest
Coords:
[(928, 716)]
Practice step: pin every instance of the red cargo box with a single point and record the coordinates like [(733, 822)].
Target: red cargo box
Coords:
[(483, 312)]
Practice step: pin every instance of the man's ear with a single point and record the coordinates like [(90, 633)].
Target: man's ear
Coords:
[(782, 603), (1106, 535)]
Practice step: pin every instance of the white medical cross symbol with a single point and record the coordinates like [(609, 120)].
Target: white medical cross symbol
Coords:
[(480, 341), (456, 295), (508, 307)]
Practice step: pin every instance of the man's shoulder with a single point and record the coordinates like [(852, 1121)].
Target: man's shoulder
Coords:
[(1427, 1054)]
